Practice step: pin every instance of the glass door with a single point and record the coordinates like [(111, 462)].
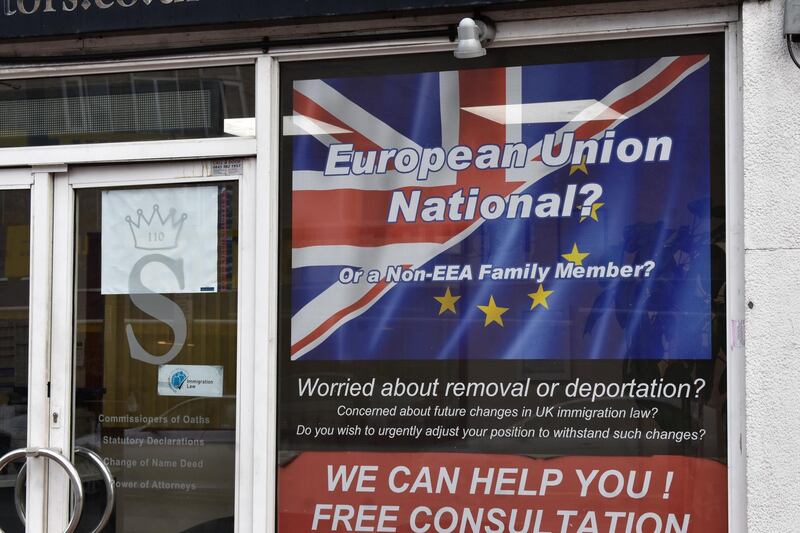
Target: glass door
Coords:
[(25, 232), (146, 365), (15, 226)]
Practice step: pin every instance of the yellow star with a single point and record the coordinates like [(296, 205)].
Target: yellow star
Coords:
[(448, 302), (582, 167), (575, 256), (540, 297), (593, 216), (493, 312)]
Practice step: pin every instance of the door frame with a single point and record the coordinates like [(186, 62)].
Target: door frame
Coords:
[(65, 181), (36, 181)]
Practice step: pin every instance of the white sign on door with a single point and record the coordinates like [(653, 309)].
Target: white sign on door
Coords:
[(190, 380), (159, 240)]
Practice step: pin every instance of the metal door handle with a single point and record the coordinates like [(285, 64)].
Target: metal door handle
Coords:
[(108, 479), (63, 462)]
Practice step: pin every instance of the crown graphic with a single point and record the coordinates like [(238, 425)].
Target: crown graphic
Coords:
[(157, 232)]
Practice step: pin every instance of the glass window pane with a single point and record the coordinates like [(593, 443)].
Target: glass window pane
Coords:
[(14, 294), (137, 106), (155, 354), (502, 290)]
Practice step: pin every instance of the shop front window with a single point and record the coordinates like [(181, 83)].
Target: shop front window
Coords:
[(503, 291), (15, 225), (135, 106)]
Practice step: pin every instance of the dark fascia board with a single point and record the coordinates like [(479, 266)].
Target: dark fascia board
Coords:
[(37, 19)]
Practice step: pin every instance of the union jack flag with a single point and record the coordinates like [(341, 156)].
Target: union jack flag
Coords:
[(341, 221)]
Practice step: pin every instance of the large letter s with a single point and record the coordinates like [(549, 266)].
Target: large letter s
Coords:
[(159, 307)]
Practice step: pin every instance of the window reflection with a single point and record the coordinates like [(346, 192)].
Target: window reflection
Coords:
[(138, 106), (171, 450), (14, 294)]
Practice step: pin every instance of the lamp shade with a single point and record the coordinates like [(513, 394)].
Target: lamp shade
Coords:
[(469, 40)]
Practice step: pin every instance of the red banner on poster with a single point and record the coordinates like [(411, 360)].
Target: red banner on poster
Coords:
[(471, 493)]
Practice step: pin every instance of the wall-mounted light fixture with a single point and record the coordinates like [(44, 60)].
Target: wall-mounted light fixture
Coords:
[(473, 35)]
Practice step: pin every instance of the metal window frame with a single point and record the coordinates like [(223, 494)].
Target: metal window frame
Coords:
[(45, 171), (130, 151), (63, 182), (519, 33)]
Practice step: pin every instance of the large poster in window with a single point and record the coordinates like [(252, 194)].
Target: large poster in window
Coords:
[(503, 292)]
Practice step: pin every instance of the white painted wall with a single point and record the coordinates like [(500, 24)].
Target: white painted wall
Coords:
[(772, 270)]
